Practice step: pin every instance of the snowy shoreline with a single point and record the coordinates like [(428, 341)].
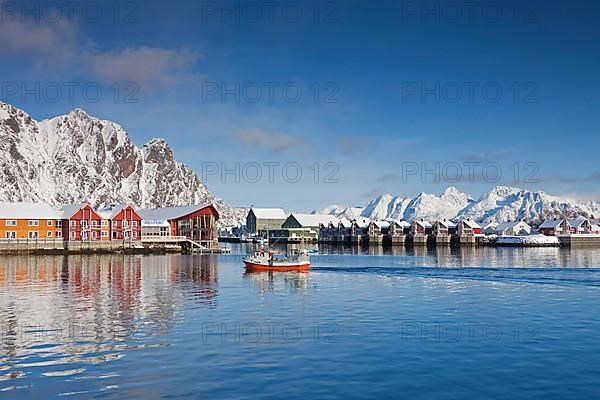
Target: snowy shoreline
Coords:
[(525, 241)]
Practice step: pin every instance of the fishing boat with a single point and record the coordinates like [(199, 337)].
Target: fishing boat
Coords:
[(267, 260)]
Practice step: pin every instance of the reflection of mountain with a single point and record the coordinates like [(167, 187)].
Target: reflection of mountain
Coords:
[(84, 308)]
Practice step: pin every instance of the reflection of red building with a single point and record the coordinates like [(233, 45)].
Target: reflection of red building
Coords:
[(202, 274), (125, 222), (81, 222)]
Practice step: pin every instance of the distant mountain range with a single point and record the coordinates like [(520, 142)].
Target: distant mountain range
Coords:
[(501, 204), (78, 158)]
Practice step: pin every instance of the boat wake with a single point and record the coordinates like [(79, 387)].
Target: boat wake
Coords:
[(546, 276)]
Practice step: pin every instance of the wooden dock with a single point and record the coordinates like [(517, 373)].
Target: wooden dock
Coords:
[(579, 240), (148, 244)]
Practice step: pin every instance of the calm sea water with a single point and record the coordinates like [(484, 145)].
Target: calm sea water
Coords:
[(441, 324)]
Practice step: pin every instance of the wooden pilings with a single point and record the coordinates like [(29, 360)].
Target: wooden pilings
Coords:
[(421, 240)]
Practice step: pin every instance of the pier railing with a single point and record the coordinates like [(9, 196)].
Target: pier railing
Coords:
[(164, 239)]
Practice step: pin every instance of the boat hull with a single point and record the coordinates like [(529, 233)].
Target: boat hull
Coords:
[(253, 267)]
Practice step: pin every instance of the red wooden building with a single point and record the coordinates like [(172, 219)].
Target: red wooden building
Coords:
[(466, 227), (125, 223), (81, 223), (196, 222), (421, 228), (554, 227), (566, 226)]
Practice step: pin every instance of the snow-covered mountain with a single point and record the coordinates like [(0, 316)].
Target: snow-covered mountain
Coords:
[(447, 206), (500, 204), (79, 158), (348, 212), (510, 204)]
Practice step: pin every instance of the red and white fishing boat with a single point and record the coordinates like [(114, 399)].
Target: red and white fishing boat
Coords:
[(267, 260)]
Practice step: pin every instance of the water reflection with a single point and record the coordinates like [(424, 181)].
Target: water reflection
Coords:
[(63, 313), (271, 282), (89, 324)]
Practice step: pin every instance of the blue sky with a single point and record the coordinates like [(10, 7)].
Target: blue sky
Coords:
[(402, 87)]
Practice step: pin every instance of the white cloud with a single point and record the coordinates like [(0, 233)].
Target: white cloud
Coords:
[(60, 46), (145, 65), (57, 41), (273, 141)]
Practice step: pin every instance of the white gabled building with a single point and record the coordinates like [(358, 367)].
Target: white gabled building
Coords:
[(490, 228), (517, 228)]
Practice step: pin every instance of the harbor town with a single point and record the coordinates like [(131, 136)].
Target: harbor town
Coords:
[(274, 225), (80, 228), (40, 228)]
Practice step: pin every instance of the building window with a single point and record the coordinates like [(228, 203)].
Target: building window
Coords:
[(11, 235), (94, 223), (59, 224), (134, 234), (84, 223), (33, 222), (115, 224), (58, 234), (72, 235), (49, 234), (104, 223), (32, 234), (73, 224), (124, 223), (104, 234), (134, 224), (11, 222), (49, 222)]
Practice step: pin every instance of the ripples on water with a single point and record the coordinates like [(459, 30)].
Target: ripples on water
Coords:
[(438, 323)]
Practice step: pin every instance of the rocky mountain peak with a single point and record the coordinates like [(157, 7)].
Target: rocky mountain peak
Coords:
[(157, 150), (80, 158), (502, 191), (78, 113)]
